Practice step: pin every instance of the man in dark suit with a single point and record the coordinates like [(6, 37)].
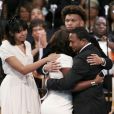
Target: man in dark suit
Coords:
[(91, 100)]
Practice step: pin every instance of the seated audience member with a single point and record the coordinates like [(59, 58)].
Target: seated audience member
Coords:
[(92, 12), (38, 34)]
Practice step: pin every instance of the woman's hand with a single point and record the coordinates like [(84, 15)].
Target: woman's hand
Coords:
[(52, 66), (53, 57)]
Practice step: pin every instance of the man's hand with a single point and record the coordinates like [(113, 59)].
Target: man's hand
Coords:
[(98, 79), (94, 59)]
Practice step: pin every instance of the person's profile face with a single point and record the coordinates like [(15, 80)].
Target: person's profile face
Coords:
[(75, 42), (72, 21)]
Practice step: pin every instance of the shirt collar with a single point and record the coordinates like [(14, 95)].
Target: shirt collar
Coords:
[(85, 47)]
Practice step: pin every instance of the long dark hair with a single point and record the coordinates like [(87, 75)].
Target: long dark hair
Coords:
[(2, 29), (59, 43), (14, 26)]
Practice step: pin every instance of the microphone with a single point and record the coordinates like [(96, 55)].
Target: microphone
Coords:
[(106, 7), (53, 7)]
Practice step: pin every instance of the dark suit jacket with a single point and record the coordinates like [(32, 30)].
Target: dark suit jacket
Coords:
[(96, 44), (91, 100)]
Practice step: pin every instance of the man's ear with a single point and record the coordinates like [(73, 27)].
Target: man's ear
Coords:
[(83, 41), (82, 23)]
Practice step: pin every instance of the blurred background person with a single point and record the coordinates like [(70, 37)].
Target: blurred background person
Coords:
[(60, 4), (103, 36), (24, 10), (92, 11), (40, 4), (36, 13), (38, 34), (110, 22)]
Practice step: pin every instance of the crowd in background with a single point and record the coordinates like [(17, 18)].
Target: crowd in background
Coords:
[(51, 10), (44, 17)]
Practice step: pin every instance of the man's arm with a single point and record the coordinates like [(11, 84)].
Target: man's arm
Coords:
[(109, 63), (83, 84), (89, 83), (94, 59)]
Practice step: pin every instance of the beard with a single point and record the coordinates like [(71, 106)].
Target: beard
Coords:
[(76, 50)]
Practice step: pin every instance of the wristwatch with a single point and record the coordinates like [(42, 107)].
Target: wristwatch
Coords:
[(103, 62), (93, 83)]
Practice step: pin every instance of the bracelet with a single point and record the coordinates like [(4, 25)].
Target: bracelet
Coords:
[(43, 70)]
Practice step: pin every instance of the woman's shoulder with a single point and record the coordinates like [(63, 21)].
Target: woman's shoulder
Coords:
[(65, 60), (6, 50), (5, 44), (64, 56)]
